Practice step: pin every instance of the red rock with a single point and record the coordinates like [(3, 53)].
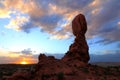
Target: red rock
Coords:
[(20, 75), (79, 25), (79, 49), (49, 66)]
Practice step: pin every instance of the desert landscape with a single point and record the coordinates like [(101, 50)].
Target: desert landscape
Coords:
[(59, 40), (73, 66), (89, 72)]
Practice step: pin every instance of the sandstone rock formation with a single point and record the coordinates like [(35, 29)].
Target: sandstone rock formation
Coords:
[(77, 56), (49, 67), (79, 49)]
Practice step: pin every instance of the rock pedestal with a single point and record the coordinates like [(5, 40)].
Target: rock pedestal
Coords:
[(79, 49)]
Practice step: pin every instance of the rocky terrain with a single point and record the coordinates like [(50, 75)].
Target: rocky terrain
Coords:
[(7, 70), (74, 65)]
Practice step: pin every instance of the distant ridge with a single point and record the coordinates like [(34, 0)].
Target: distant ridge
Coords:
[(106, 64)]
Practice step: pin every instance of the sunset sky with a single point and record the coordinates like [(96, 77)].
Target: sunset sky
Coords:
[(31, 27)]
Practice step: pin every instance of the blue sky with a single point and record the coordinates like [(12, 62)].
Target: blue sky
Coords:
[(31, 27)]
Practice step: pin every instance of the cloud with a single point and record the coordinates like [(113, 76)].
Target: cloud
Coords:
[(27, 51), (104, 22), (109, 34), (18, 23), (43, 14), (4, 12), (54, 17)]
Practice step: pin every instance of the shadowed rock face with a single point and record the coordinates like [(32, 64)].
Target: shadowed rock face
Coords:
[(79, 49), (79, 25)]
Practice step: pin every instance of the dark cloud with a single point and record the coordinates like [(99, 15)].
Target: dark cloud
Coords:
[(27, 27), (73, 5), (47, 22), (109, 35), (104, 24), (27, 51)]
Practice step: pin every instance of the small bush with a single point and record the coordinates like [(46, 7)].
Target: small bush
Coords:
[(85, 70), (60, 76), (103, 78), (107, 71), (45, 76)]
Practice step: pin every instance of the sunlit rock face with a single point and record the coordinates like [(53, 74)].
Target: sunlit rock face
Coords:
[(79, 49)]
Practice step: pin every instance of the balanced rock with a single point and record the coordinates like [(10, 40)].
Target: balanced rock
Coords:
[(79, 49)]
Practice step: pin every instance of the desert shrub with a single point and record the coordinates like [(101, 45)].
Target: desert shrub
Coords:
[(60, 76), (85, 70), (107, 71), (103, 78), (97, 72), (1, 74), (44, 76)]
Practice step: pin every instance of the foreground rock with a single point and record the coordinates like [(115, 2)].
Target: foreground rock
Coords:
[(49, 68)]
